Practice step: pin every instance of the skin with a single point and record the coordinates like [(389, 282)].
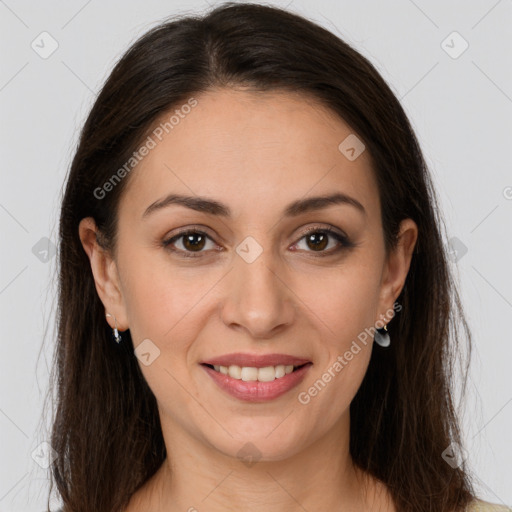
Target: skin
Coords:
[(238, 147)]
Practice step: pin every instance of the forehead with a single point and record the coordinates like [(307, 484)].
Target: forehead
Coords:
[(249, 149)]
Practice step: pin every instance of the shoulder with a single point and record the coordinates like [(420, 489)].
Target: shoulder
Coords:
[(485, 506), (474, 506)]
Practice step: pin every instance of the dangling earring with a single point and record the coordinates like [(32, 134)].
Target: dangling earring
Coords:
[(117, 336), (382, 337)]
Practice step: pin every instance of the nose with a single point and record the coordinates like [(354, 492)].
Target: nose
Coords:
[(257, 298)]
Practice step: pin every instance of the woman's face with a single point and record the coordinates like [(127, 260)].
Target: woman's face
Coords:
[(253, 281)]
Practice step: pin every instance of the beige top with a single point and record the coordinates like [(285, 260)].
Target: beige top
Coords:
[(475, 506), (485, 506)]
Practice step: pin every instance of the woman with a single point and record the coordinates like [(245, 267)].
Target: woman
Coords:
[(247, 212)]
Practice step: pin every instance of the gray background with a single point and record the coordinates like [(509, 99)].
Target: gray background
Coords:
[(460, 107)]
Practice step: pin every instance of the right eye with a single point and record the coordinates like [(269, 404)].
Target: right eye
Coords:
[(192, 241)]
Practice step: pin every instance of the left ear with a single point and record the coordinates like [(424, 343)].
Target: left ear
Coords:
[(397, 266)]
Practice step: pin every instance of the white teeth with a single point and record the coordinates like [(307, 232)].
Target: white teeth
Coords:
[(266, 374), (250, 373), (235, 372), (281, 371)]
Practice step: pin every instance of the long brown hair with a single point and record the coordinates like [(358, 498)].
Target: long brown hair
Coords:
[(106, 430)]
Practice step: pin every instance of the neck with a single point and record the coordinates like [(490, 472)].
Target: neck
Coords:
[(198, 477)]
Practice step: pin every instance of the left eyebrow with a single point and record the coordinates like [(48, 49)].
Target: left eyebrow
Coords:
[(320, 202), (213, 207)]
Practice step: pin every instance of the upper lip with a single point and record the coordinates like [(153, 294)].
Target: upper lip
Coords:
[(256, 360)]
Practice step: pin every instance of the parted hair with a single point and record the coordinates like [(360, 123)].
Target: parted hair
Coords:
[(105, 428)]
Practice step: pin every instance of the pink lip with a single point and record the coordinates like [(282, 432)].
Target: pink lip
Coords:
[(256, 360), (255, 391)]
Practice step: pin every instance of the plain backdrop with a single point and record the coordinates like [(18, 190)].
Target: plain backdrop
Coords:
[(455, 87)]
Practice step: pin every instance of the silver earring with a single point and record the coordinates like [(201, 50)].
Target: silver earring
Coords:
[(382, 338), (117, 336)]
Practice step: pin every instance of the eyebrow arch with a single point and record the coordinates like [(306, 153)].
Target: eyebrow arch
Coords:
[(213, 207)]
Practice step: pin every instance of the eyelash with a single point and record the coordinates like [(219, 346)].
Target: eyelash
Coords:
[(346, 243)]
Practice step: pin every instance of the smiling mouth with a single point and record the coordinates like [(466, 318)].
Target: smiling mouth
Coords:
[(251, 373)]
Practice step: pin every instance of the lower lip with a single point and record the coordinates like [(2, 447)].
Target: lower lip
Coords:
[(256, 391)]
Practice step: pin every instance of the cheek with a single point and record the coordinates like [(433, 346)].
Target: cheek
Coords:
[(329, 395), (343, 301), (344, 354), (343, 313), (159, 300)]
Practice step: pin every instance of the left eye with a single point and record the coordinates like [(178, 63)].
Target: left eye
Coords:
[(193, 242), (318, 239)]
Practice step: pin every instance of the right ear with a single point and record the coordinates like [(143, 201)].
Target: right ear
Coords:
[(105, 273)]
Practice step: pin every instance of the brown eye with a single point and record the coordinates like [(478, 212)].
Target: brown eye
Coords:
[(192, 241), (317, 240)]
